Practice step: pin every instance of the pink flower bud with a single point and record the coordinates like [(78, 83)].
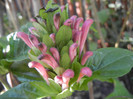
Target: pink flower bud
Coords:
[(31, 29), (32, 19), (58, 79), (52, 36), (33, 40), (40, 69), (48, 60), (66, 78), (77, 37), (85, 29), (68, 22), (86, 56), (55, 53), (62, 8), (86, 71), (57, 21), (73, 51), (42, 47), (73, 18), (77, 23), (25, 38)]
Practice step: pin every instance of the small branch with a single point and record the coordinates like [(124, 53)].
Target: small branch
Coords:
[(124, 25), (97, 22), (91, 94)]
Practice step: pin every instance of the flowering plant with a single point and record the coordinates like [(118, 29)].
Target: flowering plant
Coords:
[(56, 51)]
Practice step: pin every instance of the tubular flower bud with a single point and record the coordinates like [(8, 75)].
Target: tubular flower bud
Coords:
[(62, 8), (25, 38), (66, 78), (57, 21), (68, 22), (31, 29), (77, 37), (86, 56), (33, 40), (55, 53), (58, 80), (85, 29), (42, 47), (73, 18), (40, 69), (86, 71), (32, 19), (73, 51), (48, 60), (77, 23), (52, 36)]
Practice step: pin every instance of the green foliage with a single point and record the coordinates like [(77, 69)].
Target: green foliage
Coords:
[(103, 15), (120, 92), (65, 61), (32, 90), (48, 41), (110, 63), (23, 73), (63, 36)]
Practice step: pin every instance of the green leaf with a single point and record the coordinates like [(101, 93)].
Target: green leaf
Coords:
[(120, 92), (40, 30), (76, 67), (3, 70), (3, 42), (111, 63), (65, 49), (42, 13), (63, 35), (64, 94), (47, 41), (103, 15), (64, 15), (23, 73), (16, 52), (65, 60), (31, 90)]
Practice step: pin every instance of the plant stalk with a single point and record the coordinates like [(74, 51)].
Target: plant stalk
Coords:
[(97, 22), (124, 24)]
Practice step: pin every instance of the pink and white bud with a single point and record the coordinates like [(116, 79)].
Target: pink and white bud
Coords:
[(77, 23), (73, 18), (32, 19), (68, 22), (58, 80), (55, 54), (62, 8), (25, 38), (31, 29), (48, 60), (57, 21), (86, 71), (33, 40), (73, 51), (86, 56), (85, 30), (42, 47), (77, 37), (66, 78), (40, 69), (52, 36)]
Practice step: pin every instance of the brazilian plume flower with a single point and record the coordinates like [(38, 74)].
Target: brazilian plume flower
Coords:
[(51, 57)]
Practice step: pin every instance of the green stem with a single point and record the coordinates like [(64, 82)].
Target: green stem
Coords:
[(3, 80)]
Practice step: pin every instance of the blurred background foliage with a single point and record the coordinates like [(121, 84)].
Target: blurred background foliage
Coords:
[(112, 27)]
